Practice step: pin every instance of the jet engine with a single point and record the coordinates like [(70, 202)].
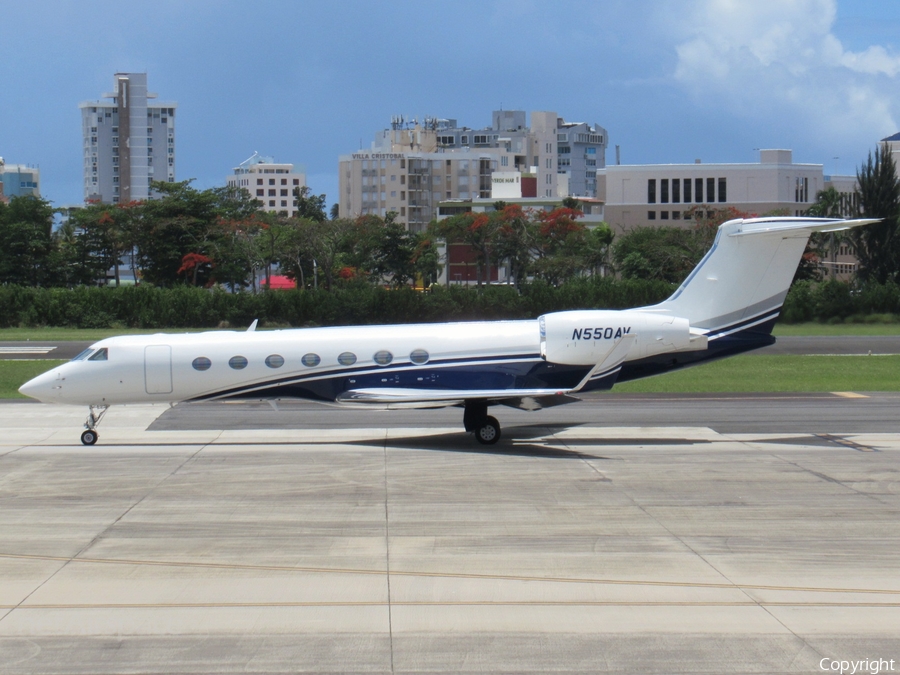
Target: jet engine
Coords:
[(586, 337)]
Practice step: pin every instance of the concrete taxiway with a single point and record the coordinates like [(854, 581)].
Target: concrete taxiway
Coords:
[(391, 542)]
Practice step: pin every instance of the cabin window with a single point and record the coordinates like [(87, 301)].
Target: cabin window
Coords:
[(201, 363), (275, 361), (310, 360), (238, 362), (383, 357), (100, 355), (419, 356), (347, 359)]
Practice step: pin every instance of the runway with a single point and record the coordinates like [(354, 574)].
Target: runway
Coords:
[(192, 540)]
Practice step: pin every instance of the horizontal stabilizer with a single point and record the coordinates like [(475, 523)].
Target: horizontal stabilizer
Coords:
[(785, 225)]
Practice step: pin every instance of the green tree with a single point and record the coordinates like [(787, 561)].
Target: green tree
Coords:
[(25, 241), (426, 259), (878, 245), (829, 204), (309, 205), (663, 253), (559, 244), (514, 241), (477, 230), (182, 220)]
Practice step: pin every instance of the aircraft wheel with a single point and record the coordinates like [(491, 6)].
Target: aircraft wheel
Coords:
[(89, 437), (488, 432)]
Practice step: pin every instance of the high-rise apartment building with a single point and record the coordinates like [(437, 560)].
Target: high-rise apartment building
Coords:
[(411, 167), (270, 183), (128, 141)]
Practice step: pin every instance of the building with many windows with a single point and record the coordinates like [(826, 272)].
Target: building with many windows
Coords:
[(657, 194), (19, 180), (411, 167), (127, 141), (270, 183)]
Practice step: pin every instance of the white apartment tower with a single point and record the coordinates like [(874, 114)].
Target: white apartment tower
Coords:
[(127, 142), (271, 184)]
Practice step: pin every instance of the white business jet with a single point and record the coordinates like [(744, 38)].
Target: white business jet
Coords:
[(728, 305)]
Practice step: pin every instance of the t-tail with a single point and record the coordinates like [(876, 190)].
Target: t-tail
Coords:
[(727, 305), (744, 278)]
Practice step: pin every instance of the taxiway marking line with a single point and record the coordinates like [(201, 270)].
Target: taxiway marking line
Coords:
[(446, 575), (448, 603), (849, 394)]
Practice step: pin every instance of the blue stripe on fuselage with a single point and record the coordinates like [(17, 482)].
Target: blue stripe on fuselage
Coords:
[(523, 371)]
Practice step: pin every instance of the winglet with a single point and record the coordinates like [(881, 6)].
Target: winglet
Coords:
[(253, 326)]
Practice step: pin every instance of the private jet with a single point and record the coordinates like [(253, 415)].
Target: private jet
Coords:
[(727, 305)]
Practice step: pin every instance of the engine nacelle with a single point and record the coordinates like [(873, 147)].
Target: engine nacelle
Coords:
[(586, 337)]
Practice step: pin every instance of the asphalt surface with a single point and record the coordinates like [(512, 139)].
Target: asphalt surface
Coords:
[(874, 412), (848, 344), (385, 543)]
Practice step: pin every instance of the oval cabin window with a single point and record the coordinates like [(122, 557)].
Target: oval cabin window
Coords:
[(237, 362), (419, 356), (275, 361), (310, 360), (201, 363), (347, 359), (383, 357)]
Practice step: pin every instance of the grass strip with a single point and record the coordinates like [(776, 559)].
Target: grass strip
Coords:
[(781, 372), (829, 329), (13, 374)]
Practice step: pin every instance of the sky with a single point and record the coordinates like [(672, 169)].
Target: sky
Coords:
[(305, 82)]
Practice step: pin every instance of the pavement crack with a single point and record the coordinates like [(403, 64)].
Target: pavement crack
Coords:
[(387, 551), (102, 533)]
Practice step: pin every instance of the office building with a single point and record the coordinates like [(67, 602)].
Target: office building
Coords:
[(411, 167), (128, 141), (19, 180), (664, 194), (270, 183)]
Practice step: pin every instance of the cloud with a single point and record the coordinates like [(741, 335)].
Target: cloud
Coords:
[(781, 61)]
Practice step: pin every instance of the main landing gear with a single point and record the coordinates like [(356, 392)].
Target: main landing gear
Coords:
[(89, 436), (476, 419)]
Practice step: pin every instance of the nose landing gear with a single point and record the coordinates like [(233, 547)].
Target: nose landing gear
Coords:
[(89, 436), (476, 419)]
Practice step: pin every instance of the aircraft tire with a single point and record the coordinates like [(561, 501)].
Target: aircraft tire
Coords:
[(488, 432), (89, 437)]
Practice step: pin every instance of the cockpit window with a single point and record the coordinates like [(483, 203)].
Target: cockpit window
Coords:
[(83, 355), (100, 355)]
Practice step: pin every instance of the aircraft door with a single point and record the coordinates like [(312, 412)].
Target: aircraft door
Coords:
[(158, 369)]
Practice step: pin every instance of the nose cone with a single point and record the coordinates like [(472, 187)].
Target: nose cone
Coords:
[(46, 387)]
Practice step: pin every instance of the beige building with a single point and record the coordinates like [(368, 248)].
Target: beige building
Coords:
[(657, 194), (411, 167), (270, 183)]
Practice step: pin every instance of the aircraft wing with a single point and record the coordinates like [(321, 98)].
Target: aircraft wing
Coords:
[(526, 399)]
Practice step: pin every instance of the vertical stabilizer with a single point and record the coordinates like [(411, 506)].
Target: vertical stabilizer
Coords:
[(742, 281)]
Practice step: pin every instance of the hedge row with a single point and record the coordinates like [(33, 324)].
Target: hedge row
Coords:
[(835, 301), (190, 307)]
